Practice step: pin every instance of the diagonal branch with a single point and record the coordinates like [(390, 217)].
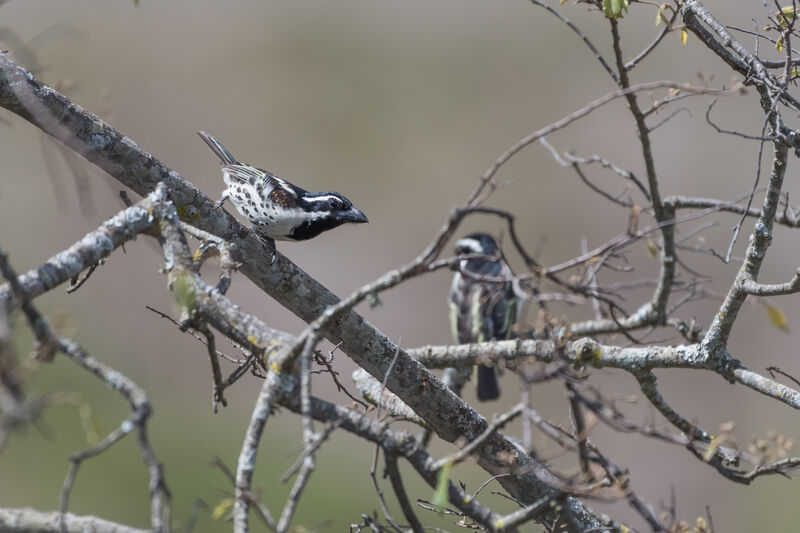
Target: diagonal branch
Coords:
[(716, 338)]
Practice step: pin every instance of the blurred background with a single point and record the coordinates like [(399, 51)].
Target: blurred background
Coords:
[(400, 106)]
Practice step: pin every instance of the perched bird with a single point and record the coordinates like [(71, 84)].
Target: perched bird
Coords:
[(275, 207), (482, 306)]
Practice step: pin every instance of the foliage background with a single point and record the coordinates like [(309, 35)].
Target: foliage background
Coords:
[(400, 106)]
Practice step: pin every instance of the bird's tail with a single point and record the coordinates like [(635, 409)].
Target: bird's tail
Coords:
[(224, 155), (487, 384)]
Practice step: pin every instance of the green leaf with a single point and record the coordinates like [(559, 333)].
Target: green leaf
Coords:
[(652, 249), (184, 290), (712, 449), (440, 495), (661, 16), (777, 318), (613, 9), (785, 16), (222, 508), (90, 423)]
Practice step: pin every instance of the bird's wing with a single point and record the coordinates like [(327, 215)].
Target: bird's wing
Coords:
[(482, 310), (481, 313), (453, 320), (505, 311), (469, 318), (245, 174), (460, 309)]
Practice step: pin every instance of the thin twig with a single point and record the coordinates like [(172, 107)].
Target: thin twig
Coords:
[(467, 450)]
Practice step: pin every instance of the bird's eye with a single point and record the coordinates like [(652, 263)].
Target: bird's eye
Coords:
[(335, 205)]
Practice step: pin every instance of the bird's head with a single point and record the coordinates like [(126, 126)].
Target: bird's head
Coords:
[(478, 243), (325, 211), (335, 206)]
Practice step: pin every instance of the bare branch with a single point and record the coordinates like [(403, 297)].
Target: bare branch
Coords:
[(720, 328), (49, 342), (29, 520), (583, 37), (374, 392), (470, 448), (393, 472)]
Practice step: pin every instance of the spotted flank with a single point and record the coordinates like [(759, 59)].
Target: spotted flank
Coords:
[(267, 207), (275, 207)]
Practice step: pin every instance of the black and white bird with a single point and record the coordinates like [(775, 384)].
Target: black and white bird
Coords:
[(482, 302), (275, 207)]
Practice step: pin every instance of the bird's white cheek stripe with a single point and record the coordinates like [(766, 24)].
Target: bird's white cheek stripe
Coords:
[(471, 244), (326, 198)]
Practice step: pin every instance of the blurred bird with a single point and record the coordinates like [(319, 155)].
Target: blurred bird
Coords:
[(481, 307), (275, 207)]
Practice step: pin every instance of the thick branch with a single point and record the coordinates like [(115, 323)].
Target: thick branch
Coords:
[(636, 360), (498, 456), (85, 253), (32, 521), (283, 280)]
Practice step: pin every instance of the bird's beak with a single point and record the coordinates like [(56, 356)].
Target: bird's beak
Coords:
[(354, 215)]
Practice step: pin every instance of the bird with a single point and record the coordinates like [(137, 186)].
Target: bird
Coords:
[(276, 208), (482, 303)]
